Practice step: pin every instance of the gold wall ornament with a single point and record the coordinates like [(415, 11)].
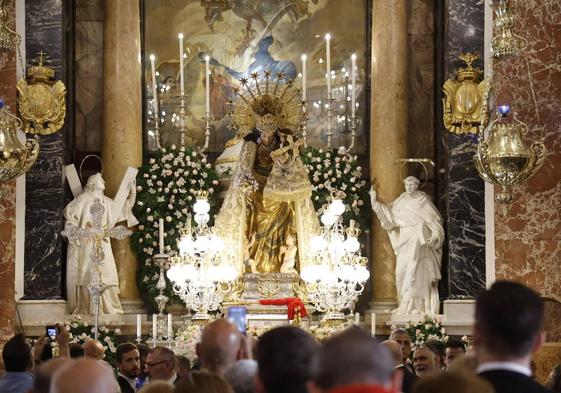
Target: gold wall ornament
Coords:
[(266, 104), (15, 157), (504, 159), (9, 39), (465, 104), (41, 103), (505, 42)]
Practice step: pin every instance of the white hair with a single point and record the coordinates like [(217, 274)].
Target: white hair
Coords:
[(240, 375)]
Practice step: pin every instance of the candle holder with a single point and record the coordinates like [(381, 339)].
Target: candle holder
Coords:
[(304, 123), (181, 121), (329, 130), (156, 119), (354, 121), (208, 119)]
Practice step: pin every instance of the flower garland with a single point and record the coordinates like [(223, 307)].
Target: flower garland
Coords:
[(166, 187), (80, 331), (337, 170)]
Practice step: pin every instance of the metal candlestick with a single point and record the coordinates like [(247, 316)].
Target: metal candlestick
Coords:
[(156, 119), (162, 261), (181, 121), (329, 132), (354, 120), (208, 119), (304, 124)]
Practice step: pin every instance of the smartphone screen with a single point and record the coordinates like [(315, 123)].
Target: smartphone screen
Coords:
[(238, 316), (51, 331)]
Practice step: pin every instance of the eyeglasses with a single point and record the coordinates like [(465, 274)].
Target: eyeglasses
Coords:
[(154, 364)]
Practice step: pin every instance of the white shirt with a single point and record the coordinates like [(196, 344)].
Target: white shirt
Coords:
[(509, 366), (131, 381)]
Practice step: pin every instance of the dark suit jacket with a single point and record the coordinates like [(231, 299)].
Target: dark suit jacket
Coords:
[(408, 379), (506, 381), (124, 385)]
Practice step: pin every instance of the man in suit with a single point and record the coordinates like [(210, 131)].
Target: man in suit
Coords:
[(160, 365), (409, 378), (128, 366), (401, 336), (507, 331), (354, 362)]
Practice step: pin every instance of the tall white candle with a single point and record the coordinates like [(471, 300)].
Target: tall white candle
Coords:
[(353, 85), (154, 83), (304, 58), (181, 71), (357, 318), (207, 85), (138, 327), (328, 58), (154, 326), (373, 324), (170, 328), (161, 237)]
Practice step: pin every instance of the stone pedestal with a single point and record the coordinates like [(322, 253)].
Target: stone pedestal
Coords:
[(388, 133), (122, 116)]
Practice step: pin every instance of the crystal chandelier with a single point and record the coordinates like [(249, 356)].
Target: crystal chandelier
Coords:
[(503, 158), (505, 42), (15, 158), (203, 273), (336, 273)]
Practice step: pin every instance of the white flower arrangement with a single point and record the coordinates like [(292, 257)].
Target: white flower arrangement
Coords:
[(186, 341), (429, 328), (80, 331), (337, 170), (166, 186)]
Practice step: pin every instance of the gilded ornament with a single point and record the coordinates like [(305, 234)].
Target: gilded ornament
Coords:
[(465, 105), (15, 158), (41, 102), (266, 104)]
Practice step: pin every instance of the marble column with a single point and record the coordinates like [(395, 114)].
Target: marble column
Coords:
[(122, 115), (388, 132), (8, 202), (44, 182), (460, 189)]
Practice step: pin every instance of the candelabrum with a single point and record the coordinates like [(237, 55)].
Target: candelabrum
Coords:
[(181, 122), (162, 321), (156, 119), (336, 273), (208, 120), (503, 158), (304, 123), (354, 123), (203, 273), (329, 127)]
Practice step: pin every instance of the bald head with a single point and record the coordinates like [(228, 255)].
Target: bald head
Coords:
[(395, 349), (354, 357), (219, 346), (93, 350), (45, 372), (84, 376)]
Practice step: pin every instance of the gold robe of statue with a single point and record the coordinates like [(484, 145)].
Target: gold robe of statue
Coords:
[(269, 198)]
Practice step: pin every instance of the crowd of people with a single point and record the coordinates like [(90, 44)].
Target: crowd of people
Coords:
[(508, 329)]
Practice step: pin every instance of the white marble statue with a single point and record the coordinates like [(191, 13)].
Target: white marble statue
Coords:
[(415, 229), (77, 214)]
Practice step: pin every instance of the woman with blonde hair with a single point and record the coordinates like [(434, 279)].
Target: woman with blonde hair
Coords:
[(203, 382)]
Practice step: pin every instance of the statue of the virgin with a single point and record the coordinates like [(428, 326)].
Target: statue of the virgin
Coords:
[(269, 198)]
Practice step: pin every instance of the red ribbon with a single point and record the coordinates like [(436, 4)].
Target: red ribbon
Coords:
[(293, 304)]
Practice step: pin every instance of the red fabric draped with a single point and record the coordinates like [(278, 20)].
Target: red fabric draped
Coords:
[(293, 304)]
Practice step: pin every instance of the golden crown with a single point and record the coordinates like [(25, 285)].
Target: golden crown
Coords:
[(469, 73), (40, 72), (353, 230), (266, 103), (201, 194)]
